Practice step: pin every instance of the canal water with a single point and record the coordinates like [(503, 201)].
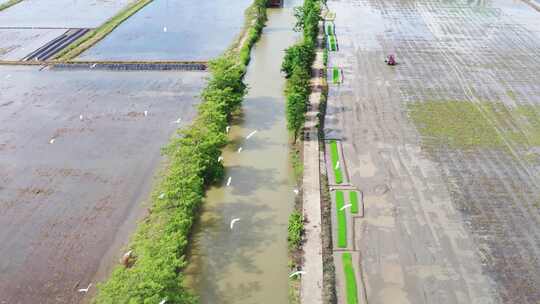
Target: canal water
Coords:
[(248, 264)]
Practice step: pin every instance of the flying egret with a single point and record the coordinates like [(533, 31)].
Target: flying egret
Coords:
[(239, 149), (233, 222), (297, 273), (220, 158), (344, 207), (145, 113), (161, 196), (52, 140), (251, 134), (85, 290), (229, 181)]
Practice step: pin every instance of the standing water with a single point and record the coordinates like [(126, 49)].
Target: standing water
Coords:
[(248, 263)]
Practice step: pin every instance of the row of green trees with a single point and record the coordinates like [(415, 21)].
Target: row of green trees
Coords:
[(297, 65), (160, 242)]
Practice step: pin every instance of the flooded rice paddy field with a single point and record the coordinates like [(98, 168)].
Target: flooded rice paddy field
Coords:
[(60, 13), (77, 160), (15, 44), (249, 263), (445, 146), (173, 30)]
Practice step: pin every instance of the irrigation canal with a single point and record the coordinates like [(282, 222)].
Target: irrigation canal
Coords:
[(248, 264)]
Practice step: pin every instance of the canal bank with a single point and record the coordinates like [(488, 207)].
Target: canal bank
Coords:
[(248, 263)]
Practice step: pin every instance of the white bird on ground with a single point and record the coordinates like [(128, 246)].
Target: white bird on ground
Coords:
[(345, 207), (93, 65), (296, 191), (52, 140), (239, 149), (163, 301), (297, 273), (85, 290), (233, 222), (127, 255), (227, 129), (145, 113), (337, 165), (177, 121), (220, 158), (229, 181), (161, 196), (81, 117), (164, 29), (251, 134)]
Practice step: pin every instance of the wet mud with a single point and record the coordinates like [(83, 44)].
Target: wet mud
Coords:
[(78, 153), (454, 225)]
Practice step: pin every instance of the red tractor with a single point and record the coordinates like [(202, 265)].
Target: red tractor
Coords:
[(390, 60)]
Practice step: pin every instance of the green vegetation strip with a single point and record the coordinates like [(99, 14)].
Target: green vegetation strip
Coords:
[(350, 279), (341, 220), (9, 4), (295, 229), (334, 156), (160, 243), (335, 75), (466, 125), (95, 35), (353, 196), (329, 29), (332, 42), (297, 65)]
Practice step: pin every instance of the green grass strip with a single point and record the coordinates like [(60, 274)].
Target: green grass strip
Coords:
[(334, 155), (350, 279), (95, 35), (335, 75), (9, 4), (353, 196), (329, 29), (332, 42), (341, 220)]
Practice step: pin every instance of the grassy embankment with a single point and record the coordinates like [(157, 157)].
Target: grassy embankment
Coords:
[(465, 125), (9, 4), (160, 241), (297, 67), (341, 220), (350, 279), (92, 37)]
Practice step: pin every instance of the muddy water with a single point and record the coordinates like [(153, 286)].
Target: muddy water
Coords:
[(174, 30), (249, 263)]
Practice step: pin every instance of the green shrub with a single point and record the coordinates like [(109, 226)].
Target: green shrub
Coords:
[(296, 230)]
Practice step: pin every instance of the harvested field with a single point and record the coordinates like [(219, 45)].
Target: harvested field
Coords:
[(173, 30), (444, 145), (15, 44), (78, 152)]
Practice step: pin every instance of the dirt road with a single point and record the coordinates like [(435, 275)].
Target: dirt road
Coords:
[(77, 157), (444, 146)]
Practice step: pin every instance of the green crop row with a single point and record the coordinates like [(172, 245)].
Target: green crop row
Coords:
[(353, 196), (334, 156), (335, 75), (160, 242), (297, 65), (332, 42), (341, 220), (350, 279)]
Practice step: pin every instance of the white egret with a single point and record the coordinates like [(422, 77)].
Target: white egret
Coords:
[(177, 121), (297, 273), (251, 134), (145, 113), (233, 221), (227, 129), (296, 191), (337, 165), (239, 149), (52, 140), (220, 158), (345, 207), (161, 196), (229, 181), (85, 290), (81, 117), (163, 301)]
